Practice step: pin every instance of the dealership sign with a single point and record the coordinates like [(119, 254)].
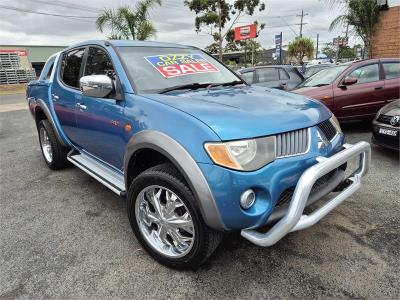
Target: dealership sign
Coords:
[(245, 32), (20, 52)]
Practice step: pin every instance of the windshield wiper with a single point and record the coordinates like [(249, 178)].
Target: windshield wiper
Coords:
[(320, 84), (189, 86), (197, 85), (230, 83)]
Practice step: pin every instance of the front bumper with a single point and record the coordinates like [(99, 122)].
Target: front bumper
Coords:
[(294, 219)]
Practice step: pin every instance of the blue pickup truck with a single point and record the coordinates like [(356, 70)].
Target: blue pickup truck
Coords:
[(193, 149)]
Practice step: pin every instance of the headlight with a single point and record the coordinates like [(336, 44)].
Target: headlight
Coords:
[(245, 155), (336, 123)]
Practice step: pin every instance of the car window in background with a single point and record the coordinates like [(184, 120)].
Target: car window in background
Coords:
[(283, 75), (392, 70), (267, 74), (294, 75), (365, 74), (71, 65), (324, 77), (98, 63), (248, 76)]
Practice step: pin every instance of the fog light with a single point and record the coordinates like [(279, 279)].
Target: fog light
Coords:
[(247, 199)]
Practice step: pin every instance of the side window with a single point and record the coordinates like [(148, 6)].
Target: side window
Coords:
[(98, 63), (71, 66), (267, 74), (50, 70), (248, 76), (295, 75), (365, 74), (392, 70), (283, 75)]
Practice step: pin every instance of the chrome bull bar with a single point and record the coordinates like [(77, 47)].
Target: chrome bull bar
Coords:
[(294, 219)]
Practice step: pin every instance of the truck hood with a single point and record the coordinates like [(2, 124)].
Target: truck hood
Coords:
[(247, 111)]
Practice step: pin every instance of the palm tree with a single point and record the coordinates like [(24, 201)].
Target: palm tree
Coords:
[(300, 48), (362, 16), (127, 23)]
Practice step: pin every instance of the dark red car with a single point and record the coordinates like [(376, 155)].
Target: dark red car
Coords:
[(356, 90)]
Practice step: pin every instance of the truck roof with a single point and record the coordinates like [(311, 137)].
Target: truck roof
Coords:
[(129, 43)]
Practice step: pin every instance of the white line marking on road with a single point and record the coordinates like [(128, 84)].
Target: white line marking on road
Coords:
[(13, 107)]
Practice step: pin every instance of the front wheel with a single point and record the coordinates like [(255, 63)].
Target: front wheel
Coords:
[(164, 218)]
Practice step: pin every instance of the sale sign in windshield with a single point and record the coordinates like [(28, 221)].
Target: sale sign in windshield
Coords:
[(173, 65)]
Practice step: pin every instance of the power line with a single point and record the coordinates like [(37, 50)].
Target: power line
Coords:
[(67, 5), (43, 13)]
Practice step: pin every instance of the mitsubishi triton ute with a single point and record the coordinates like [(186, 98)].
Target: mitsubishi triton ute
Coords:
[(193, 149)]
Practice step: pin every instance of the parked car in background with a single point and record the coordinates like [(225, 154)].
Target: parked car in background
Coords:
[(313, 69), (283, 77), (386, 126), (356, 90)]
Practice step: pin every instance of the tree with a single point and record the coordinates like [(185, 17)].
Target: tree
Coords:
[(329, 50), (300, 48), (362, 16), (218, 14), (127, 23)]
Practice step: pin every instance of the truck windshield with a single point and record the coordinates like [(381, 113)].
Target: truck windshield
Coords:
[(156, 70), (324, 77)]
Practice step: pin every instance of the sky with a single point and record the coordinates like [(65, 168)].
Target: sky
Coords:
[(174, 21)]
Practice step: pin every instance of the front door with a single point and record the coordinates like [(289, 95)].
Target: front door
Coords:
[(364, 98), (65, 90), (100, 121)]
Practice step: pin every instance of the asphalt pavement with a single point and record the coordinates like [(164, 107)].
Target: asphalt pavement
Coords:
[(64, 235)]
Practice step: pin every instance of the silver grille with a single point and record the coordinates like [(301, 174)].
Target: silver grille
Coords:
[(292, 143)]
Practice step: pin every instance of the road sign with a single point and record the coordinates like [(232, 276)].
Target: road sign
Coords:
[(245, 32)]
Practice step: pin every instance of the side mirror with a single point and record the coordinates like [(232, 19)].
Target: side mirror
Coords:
[(350, 81), (97, 86)]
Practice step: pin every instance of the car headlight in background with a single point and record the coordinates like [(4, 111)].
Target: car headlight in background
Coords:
[(336, 123), (244, 155)]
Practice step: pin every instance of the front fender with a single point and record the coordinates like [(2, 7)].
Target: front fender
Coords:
[(158, 141)]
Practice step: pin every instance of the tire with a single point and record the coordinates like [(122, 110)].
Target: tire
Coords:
[(54, 154), (165, 180)]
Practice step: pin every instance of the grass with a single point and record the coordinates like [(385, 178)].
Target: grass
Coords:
[(8, 89)]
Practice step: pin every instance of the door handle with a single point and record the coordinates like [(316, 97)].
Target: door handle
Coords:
[(81, 106), (55, 97), (379, 88)]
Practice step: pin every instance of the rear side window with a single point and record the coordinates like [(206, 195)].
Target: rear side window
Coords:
[(248, 77), (294, 75), (392, 70), (267, 74), (71, 66), (47, 69), (365, 74), (283, 75), (98, 63)]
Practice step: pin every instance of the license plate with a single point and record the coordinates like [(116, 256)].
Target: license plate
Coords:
[(388, 132)]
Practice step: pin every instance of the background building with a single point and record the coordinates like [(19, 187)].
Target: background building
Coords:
[(386, 41), (22, 63)]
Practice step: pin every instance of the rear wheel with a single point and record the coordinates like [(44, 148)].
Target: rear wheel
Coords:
[(54, 154), (166, 221)]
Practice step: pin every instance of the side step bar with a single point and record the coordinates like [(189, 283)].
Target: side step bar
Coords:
[(99, 171)]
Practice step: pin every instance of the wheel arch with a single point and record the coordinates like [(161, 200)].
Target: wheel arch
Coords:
[(43, 110), (166, 149)]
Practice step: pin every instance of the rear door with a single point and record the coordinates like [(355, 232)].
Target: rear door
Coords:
[(100, 121), (65, 89), (392, 80), (268, 77), (364, 98)]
